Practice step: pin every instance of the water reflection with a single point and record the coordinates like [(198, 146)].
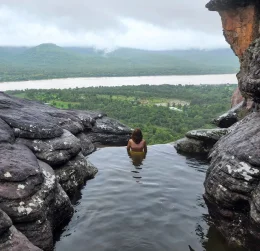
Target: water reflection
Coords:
[(137, 159), (168, 213)]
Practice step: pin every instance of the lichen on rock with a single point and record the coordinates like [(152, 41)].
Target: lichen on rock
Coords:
[(41, 163)]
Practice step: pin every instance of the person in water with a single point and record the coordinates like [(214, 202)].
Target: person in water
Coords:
[(137, 143)]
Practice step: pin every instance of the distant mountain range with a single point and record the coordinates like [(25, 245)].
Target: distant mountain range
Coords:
[(51, 61)]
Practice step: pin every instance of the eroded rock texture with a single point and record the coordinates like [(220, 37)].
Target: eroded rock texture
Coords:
[(199, 141), (11, 238), (239, 20), (42, 163), (233, 180), (232, 185)]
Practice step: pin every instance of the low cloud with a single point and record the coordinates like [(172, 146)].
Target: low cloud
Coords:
[(103, 24)]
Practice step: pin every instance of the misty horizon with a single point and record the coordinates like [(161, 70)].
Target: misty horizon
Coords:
[(114, 49), (108, 25)]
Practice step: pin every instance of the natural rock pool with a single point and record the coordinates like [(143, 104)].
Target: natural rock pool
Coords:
[(155, 205)]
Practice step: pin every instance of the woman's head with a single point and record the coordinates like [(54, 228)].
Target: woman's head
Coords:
[(137, 136)]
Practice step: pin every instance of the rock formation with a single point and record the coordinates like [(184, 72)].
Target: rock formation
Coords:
[(233, 179), (42, 165), (199, 141)]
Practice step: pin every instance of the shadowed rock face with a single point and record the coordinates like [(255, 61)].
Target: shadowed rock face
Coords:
[(217, 5), (232, 185), (42, 161), (11, 238), (249, 75), (233, 181)]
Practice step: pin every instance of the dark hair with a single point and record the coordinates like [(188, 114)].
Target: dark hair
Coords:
[(137, 136)]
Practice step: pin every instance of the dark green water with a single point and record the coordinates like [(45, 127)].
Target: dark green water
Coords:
[(155, 205)]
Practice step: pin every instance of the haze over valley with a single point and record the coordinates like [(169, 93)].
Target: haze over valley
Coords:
[(48, 61)]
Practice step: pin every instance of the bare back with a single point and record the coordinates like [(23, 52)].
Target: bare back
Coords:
[(137, 147)]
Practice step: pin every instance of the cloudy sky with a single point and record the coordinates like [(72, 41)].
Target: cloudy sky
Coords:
[(108, 24)]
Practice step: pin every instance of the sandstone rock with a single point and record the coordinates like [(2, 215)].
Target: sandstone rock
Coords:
[(192, 146), (249, 75), (239, 19), (20, 174), (109, 139), (233, 179), (16, 241), (199, 141), (34, 215), (237, 98), (29, 190), (74, 173), (67, 121), (88, 118), (109, 131), (87, 146), (207, 135), (229, 118), (33, 126), (5, 223), (110, 126), (55, 151), (6, 133), (216, 5)]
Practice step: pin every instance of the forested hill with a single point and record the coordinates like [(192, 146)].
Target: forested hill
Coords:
[(51, 61)]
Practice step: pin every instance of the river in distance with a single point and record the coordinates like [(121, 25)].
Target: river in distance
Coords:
[(120, 81), (137, 204)]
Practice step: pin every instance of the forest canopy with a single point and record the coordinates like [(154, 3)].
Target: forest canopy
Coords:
[(164, 113)]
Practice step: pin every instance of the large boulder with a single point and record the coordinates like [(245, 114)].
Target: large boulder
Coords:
[(6, 133), (74, 173), (199, 141), (55, 151), (42, 161), (20, 174), (87, 147), (191, 146), (207, 135), (33, 212), (249, 75), (229, 118), (233, 180), (11, 239), (109, 131)]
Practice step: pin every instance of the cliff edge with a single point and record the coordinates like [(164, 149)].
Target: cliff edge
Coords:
[(232, 185), (43, 164)]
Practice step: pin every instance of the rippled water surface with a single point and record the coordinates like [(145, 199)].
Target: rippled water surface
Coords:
[(154, 204)]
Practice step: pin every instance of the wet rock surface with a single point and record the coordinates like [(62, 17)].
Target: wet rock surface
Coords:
[(42, 161)]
